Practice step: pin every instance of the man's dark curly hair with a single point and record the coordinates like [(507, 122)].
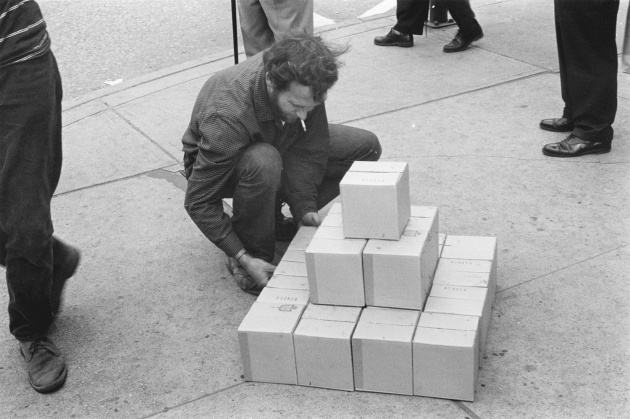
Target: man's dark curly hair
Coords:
[(304, 59)]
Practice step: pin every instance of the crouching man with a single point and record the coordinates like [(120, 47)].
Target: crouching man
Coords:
[(259, 134)]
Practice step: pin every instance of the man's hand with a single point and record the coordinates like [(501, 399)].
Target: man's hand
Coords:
[(310, 219), (258, 269)]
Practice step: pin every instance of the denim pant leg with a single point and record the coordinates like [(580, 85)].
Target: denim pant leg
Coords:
[(347, 145), (256, 181), (30, 165)]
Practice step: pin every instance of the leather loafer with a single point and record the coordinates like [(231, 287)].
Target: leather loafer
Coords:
[(392, 39), (557, 125), (573, 146), (460, 42), (46, 367)]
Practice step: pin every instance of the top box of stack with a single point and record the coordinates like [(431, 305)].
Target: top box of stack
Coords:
[(375, 200)]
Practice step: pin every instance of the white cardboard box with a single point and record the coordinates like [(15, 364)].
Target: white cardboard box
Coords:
[(441, 239), (470, 293), (323, 350), (302, 238), (466, 272), (335, 268), (382, 350), (266, 341), (446, 356), (335, 208), (375, 200), (466, 259), (470, 247), (286, 267), (283, 296), (306, 232), (332, 220), (398, 274), (288, 282), (294, 255)]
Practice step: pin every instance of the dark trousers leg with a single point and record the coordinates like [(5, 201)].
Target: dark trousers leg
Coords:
[(256, 181), (411, 15), (30, 165), (587, 53), (347, 145), (462, 13)]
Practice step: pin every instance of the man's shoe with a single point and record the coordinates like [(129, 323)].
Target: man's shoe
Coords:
[(573, 146), (557, 125), (286, 227), (63, 269), (460, 42), (392, 39), (242, 278), (46, 367)]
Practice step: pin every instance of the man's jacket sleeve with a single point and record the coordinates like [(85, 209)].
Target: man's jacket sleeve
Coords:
[(222, 141)]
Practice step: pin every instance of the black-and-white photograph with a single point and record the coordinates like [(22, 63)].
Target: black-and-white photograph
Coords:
[(315, 209)]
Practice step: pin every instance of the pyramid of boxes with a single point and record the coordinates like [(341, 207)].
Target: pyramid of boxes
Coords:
[(375, 299)]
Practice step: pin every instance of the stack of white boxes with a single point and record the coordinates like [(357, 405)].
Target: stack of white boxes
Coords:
[(375, 299)]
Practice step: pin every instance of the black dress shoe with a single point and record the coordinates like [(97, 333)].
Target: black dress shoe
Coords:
[(573, 146), (557, 124), (392, 39), (461, 42)]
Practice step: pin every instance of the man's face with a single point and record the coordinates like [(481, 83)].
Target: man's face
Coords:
[(294, 103)]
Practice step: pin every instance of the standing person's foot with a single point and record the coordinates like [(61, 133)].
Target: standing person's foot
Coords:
[(286, 227), (573, 146), (394, 39), (557, 124), (461, 42), (46, 367), (66, 262)]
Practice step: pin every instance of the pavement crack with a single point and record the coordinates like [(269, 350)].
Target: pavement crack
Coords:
[(166, 409), (466, 409), (564, 268), (139, 131)]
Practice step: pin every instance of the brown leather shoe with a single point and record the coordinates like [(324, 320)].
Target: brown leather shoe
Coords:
[(46, 367), (557, 125), (242, 278), (392, 39), (573, 146), (64, 268)]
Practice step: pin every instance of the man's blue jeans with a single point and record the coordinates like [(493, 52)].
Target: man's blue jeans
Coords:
[(30, 166), (258, 178)]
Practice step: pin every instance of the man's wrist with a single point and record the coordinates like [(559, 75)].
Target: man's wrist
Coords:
[(240, 255)]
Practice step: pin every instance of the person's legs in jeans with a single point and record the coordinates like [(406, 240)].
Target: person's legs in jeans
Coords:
[(30, 125), (30, 143), (347, 145), (256, 181)]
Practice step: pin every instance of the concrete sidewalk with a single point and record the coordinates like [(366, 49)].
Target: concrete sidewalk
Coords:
[(149, 325)]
